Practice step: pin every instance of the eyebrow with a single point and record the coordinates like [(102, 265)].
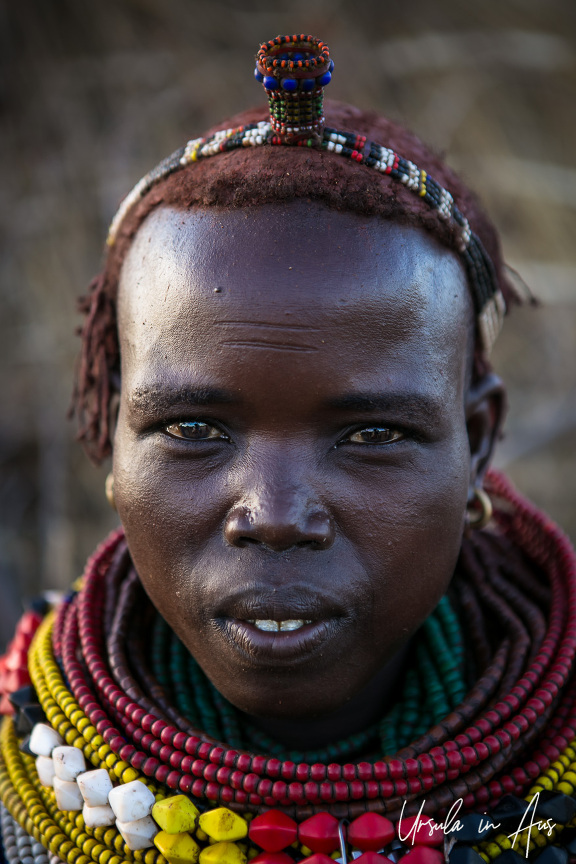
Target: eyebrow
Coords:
[(162, 397), (413, 406)]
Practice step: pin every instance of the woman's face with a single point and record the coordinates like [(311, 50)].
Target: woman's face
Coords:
[(292, 457)]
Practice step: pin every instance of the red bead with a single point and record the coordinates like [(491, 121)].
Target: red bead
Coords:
[(370, 832), (272, 858), (317, 772), (365, 771), (423, 855), (16, 658), (273, 831), (426, 833), (371, 858), (320, 833), (5, 706), (318, 858)]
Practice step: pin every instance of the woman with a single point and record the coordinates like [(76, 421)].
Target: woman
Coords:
[(341, 649)]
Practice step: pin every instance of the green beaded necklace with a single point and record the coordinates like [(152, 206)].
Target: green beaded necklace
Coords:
[(432, 689)]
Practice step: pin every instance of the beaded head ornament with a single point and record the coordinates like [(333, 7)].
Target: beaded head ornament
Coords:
[(294, 71)]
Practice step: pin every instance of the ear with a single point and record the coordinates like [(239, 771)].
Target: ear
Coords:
[(485, 412)]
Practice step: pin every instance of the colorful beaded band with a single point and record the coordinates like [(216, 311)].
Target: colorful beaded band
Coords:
[(285, 65), (294, 70)]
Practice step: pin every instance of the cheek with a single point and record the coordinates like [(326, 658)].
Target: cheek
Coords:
[(169, 510), (408, 529)]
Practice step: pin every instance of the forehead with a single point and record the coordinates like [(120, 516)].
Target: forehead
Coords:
[(309, 283)]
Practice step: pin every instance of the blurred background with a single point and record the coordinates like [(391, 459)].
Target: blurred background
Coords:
[(93, 94)]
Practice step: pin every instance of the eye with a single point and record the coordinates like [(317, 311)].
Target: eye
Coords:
[(195, 430), (375, 435)]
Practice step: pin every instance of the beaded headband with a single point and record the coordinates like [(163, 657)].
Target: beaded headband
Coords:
[(294, 70)]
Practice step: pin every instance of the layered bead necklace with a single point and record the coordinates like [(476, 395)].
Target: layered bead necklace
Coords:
[(486, 735)]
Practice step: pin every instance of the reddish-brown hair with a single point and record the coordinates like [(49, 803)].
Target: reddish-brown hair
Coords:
[(251, 177)]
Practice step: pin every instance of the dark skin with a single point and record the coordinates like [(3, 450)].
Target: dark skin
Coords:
[(296, 445)]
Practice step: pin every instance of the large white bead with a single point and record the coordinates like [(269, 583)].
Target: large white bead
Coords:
[(68, 795), (99, 816), (131, 802), (45, 769), (95, 787), (43, 739), (69, 762), (138, 834)]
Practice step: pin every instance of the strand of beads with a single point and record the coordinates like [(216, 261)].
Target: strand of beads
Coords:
[(19, 846)]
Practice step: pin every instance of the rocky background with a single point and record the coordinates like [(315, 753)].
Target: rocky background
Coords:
[(92, 94)]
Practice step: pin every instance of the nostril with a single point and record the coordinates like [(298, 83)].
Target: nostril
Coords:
[(247, 541)]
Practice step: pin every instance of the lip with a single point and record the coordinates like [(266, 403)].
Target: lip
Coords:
[(289, 645), (234, 619)]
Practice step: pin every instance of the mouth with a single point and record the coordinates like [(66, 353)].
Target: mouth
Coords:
[(287, 628), (268, 625)]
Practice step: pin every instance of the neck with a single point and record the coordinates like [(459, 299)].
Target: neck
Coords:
[(362, 710)]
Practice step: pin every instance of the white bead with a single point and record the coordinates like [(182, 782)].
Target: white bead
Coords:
[(131, 802), (99, 816), (68, 795), (43, 739), (69, 762), (45, 769), (138, 834), (95, 787)]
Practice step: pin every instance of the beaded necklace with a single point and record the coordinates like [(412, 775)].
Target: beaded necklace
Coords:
[(513, 734), (431, 691)]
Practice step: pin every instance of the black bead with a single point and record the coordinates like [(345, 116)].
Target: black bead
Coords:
[(25, 746), (553, 855), (465, 855), (470, 831), (24, 696), (509, 810), (40, 605), (558, 807), (568, 840), (28, 716)]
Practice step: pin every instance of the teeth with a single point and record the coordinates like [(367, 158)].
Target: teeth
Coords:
[(292, 624), (270, 626), (267, 625)]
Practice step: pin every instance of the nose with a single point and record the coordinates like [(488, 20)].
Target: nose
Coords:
[(279, 520)]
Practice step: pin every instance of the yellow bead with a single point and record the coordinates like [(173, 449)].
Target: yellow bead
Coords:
[(176, 814), (129, 774), (201, 835), (222, 853), (177, 848), (223, 824)]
